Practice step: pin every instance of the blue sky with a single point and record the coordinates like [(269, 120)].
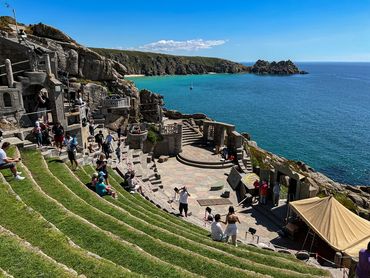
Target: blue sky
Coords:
[(238, 30)]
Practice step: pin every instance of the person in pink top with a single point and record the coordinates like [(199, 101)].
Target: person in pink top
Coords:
[(264, 189), (363, 266)]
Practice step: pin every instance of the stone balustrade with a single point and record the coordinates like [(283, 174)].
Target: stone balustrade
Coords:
[(116, 102)]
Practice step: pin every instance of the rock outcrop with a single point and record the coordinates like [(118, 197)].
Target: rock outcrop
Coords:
[(275, 68), (147, 63)]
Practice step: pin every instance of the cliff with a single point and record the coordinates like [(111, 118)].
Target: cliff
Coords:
[(275, 68), (147, 63)]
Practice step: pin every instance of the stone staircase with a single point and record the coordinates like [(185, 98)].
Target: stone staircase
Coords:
[(190, 134), (244, 161)]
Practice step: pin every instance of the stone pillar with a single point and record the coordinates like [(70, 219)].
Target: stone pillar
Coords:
[(47, 64), (221, 133), (205, 131), (9, 73)]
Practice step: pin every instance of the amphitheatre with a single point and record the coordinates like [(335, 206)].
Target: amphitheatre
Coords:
[(53, 225)]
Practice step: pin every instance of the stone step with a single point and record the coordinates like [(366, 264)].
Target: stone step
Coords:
[(202, 165)]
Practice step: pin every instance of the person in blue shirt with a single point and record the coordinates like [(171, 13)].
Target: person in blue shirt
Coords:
[(102, 189)]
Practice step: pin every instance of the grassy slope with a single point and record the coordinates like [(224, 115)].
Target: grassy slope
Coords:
[(150, 215), (89, 237), (20, 260), (255, 255)]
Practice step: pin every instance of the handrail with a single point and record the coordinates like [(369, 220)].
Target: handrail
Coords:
[(20, 62)]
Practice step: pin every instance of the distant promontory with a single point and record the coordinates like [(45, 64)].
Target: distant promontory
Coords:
[(148, 63), (276, 68)]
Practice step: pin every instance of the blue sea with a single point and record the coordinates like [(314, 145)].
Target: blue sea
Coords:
[(321, 118)]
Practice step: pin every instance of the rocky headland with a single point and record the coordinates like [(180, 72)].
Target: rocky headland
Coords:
[(275, 68), (147, 63)]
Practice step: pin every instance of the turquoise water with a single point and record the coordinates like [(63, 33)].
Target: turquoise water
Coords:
[(322, 118)]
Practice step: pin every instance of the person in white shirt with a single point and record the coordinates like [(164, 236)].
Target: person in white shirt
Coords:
[(8, 162), (183, 200), (276, 191), (217, 233)]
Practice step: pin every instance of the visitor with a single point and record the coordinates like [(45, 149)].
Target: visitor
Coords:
[(225, 153), (217, 233), (118, 152), (109, 138), (46, 138), (91, 128), (78, 100), (363, 266), (256, 192), (264, 193), (183, 199), (42, 104), (208, 216), (8, 162), (58, 131), (37, 131), (94, 180), (99, 138), (119, 132), (101, 166), (102, 189), (276, 190), (106, 149), (231, 229), (71, 144), (133, 184)]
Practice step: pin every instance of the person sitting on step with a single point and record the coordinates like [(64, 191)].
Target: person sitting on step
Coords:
[(217, 233), (102, 189), (133, 184), (8, 162)]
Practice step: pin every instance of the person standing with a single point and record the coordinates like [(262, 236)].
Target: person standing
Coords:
[(71, 143), (363, 266), (37, 131), (264, 192), (119, 132), (183, 200), (231, 229), (276, 191), (99, 138), (256, 192), (58, 131), (9, 163), (91, 128), (118, 152)]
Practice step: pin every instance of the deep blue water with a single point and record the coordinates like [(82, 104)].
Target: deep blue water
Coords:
[(322, 118)]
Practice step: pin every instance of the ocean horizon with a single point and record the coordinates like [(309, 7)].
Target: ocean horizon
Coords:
[(321, 118)]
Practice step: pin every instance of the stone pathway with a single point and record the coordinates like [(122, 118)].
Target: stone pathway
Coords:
[(198, 182)]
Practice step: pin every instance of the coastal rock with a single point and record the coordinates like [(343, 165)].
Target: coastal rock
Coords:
[(46, 31), (275, 68), (175, 115)]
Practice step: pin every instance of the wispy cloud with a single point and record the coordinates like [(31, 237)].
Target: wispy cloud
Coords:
[(189, 45)]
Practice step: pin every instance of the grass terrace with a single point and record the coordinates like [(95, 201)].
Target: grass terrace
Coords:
[(79, 232)]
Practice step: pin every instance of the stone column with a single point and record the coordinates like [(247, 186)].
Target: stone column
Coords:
[(9, 73), (47, 64)]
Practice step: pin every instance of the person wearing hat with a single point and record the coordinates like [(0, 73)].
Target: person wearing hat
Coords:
[(102, 189)]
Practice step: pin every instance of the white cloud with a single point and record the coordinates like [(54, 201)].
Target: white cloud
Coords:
[(189, 45)]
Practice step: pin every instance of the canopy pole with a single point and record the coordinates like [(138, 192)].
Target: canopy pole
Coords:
[(313, 239), (304, 242)]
